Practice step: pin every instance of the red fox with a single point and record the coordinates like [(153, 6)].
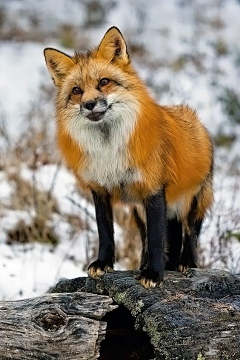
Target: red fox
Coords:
[(123, 146)]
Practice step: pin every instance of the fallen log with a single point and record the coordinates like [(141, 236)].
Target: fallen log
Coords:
[(55, 326), (191, 316)]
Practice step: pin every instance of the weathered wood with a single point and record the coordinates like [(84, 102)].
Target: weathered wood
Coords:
[(191, 316), (55, 326)]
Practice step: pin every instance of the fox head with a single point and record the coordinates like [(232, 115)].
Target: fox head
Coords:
[(99, 86)]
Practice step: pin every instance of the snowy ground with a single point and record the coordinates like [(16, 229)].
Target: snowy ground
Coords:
[(182, 58)]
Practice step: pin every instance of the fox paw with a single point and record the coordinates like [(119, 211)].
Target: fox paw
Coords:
[(184, 267), (98, 268), (150, 279)]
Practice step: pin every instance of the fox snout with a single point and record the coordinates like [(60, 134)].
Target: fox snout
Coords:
[(95, 109), (89, 105)]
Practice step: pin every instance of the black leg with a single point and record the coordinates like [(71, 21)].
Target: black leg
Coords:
[(143, 233), (198, 226), (104, 217), (174, 243), (189, 254), (155, 206), (192, 230)]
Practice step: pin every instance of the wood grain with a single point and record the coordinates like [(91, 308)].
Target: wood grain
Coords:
[(55, 326)]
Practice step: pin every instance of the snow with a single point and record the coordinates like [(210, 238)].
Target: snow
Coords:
[(20, 74), (167, 31), (6, 189), (37, 268), (31, 269)]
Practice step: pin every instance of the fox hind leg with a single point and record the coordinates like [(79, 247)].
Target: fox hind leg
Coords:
[(192, 229), (189, 254), (174, 243)]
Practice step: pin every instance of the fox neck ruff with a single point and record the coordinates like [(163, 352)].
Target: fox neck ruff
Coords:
[(105, 145)]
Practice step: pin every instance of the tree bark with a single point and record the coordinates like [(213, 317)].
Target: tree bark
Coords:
[(191, 316), (55, 326)]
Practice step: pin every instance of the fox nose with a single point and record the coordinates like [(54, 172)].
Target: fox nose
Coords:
[(89, 105)]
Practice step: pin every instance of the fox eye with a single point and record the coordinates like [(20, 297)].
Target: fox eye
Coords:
[(76, 90), (104, 82)]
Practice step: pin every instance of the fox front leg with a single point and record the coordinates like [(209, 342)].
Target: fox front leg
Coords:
[(155, 206), (104, 217)]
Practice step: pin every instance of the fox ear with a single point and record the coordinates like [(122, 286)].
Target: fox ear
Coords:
[(58, 64), (113, 47)]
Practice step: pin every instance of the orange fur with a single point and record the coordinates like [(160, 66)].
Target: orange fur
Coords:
[(168, 146), (172, 147)]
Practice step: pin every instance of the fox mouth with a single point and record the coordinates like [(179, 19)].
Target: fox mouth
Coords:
[(96, 116)]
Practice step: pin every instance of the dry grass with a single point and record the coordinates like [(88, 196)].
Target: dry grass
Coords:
[(39, 204), (39, 230), (220, 245), (34, 148)]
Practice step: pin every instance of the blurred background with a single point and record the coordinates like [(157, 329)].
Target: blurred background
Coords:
[(185, 50)]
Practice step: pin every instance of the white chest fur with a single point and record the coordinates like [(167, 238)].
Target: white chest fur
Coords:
[(106, 147)]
